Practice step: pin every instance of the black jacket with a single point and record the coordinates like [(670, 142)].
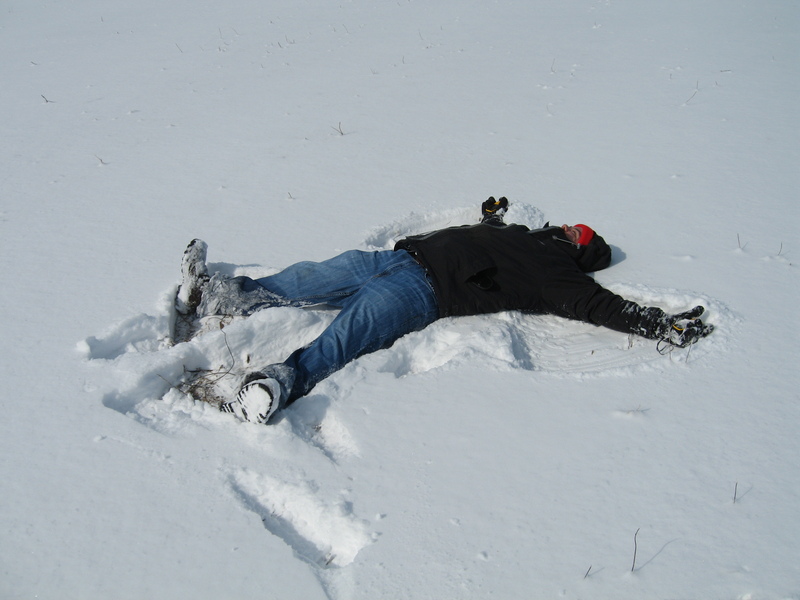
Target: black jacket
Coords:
[(478, 269)]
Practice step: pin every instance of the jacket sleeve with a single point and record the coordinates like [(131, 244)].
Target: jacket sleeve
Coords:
[(589, 301)]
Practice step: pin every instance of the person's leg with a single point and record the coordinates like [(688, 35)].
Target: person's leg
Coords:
[(331, 281), (236, 296), (389, 305), (328, 282)]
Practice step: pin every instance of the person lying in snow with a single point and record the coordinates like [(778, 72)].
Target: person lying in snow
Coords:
[(383, 295)]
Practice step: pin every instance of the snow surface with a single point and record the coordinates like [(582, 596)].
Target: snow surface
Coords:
[(503, 456)]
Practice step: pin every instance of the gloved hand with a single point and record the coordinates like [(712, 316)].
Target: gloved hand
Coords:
[(686, 328), (492, 208)]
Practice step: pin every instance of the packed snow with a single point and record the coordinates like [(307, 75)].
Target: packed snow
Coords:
[(498, 456)]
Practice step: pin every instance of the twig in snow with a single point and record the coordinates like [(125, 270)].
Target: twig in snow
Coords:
[(586, 575), (735, 490), (167, 381), (739, 241), (635, 548), (696, 89), (202, 385), (689, 352), (46, 101), (339, 129)]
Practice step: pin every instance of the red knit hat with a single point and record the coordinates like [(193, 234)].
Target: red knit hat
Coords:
[(587, 233)]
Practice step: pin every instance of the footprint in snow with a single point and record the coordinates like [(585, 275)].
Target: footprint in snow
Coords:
[(323, 533)]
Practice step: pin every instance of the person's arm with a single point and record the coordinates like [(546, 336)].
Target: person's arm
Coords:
[(493, 211), (592, 303)]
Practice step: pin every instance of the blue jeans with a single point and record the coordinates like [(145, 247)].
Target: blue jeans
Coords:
[(382, 295)]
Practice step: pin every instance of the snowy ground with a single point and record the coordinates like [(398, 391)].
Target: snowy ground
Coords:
[(503, 456)]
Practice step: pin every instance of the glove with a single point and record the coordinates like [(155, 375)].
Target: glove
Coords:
[(494, 209), (685, 329)]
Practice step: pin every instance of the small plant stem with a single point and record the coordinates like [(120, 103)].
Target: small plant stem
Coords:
[(635, 548)]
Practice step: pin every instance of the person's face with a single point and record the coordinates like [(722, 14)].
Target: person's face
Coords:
[(573, 233)]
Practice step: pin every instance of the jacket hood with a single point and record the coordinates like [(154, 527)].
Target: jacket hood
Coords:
[(594, 256)]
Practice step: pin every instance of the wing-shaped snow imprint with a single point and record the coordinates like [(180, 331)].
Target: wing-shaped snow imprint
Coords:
[(531, 342), (147, 370), (321, 532), (541, 343), (386, 236)]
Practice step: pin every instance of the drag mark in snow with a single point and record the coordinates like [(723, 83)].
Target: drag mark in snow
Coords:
[(322, 533)]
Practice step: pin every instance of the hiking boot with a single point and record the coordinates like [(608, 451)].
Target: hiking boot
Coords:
[(194, 277), (256, 402)]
